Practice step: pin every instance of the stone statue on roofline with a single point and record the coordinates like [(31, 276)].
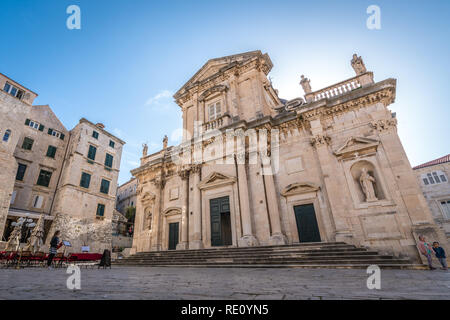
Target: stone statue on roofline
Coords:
[(144, 150), (305, 83), (165, 142), (358, 65)]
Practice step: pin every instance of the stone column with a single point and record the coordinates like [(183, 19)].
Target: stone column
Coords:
[(332, 182), (184, 244), (197, 243), (248, 239), (156, 218), (276, 237)]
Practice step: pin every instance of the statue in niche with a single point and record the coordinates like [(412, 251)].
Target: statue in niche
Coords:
[(367, 185), (144, 150), (358, 65), (305, 83), (149, 220)]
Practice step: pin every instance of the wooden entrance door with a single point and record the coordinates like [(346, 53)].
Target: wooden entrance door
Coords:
[(308, 230), (173, 235), (220, 221)]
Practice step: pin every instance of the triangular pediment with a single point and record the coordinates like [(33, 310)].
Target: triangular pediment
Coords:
[(299, 188), (355, 144), (214, 66), (215, 179)]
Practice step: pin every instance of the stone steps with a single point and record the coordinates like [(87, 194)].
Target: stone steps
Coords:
[(313, 255)]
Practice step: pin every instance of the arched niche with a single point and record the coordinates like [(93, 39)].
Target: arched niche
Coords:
[(356, 171)]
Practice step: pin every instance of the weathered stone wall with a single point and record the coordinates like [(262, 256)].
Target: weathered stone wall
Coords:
[(436, 193), (12, 117)]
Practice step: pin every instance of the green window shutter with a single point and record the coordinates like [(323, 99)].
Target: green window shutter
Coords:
[(92, 152), (95, 134), (51, 151), (21, 171), (41, 127), (44, 178), (27, 143), (50, 131), (100, 210), (85, 180), (104, 187), (62, 136), (109, 160), (27, 122), (111, 143)]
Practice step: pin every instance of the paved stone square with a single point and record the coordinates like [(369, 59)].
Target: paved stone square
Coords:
[(227, 284)]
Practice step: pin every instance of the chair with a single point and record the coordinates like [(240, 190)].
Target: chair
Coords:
[(38, 258), (24, 259), (58, 260)]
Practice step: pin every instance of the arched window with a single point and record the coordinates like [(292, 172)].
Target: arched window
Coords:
[(6, 135)]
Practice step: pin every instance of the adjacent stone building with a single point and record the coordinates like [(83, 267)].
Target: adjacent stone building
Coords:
[(433, 179), (15, 104), (126, 195), (69, 177), (257, 170)]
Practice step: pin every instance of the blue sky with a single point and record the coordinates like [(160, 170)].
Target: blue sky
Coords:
[(129, 57)]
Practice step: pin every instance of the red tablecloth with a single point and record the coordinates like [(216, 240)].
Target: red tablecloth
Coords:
[(85, 256)]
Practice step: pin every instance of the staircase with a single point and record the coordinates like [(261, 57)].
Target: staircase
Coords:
[(305, 255)]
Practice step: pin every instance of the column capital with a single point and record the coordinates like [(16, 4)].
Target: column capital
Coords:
[(195, 168), (159, 182), (184, 173), (320, 140)]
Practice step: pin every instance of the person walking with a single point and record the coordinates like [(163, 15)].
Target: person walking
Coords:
[(440, 254), (54, 246), (425, 249)]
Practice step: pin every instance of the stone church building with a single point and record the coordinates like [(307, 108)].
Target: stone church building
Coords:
[(257, 170)]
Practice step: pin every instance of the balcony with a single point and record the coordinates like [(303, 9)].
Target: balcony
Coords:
[(341, 88), (217, 123)]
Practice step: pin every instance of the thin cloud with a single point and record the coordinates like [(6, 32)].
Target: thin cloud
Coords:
[(155, 100)]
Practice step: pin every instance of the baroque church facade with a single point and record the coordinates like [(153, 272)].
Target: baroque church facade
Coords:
[(257, 170)]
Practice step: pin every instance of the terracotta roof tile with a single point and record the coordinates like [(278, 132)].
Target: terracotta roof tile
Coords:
[(441, 160)]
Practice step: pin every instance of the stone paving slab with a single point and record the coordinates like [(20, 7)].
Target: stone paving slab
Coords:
[(221, 283)]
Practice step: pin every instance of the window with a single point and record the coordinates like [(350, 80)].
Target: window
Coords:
[(434, 177), (214, 111), (34, 125), (109, 160), (44, 178), (104, 187), (37, 203), (92, 152), (6, 135), (16, 92), (56, 133), (27, 143), (21, 172), (446, 208), (85, 180), (95, 134), (7, 87), (51, 152), (100, 210), (111, 143)]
